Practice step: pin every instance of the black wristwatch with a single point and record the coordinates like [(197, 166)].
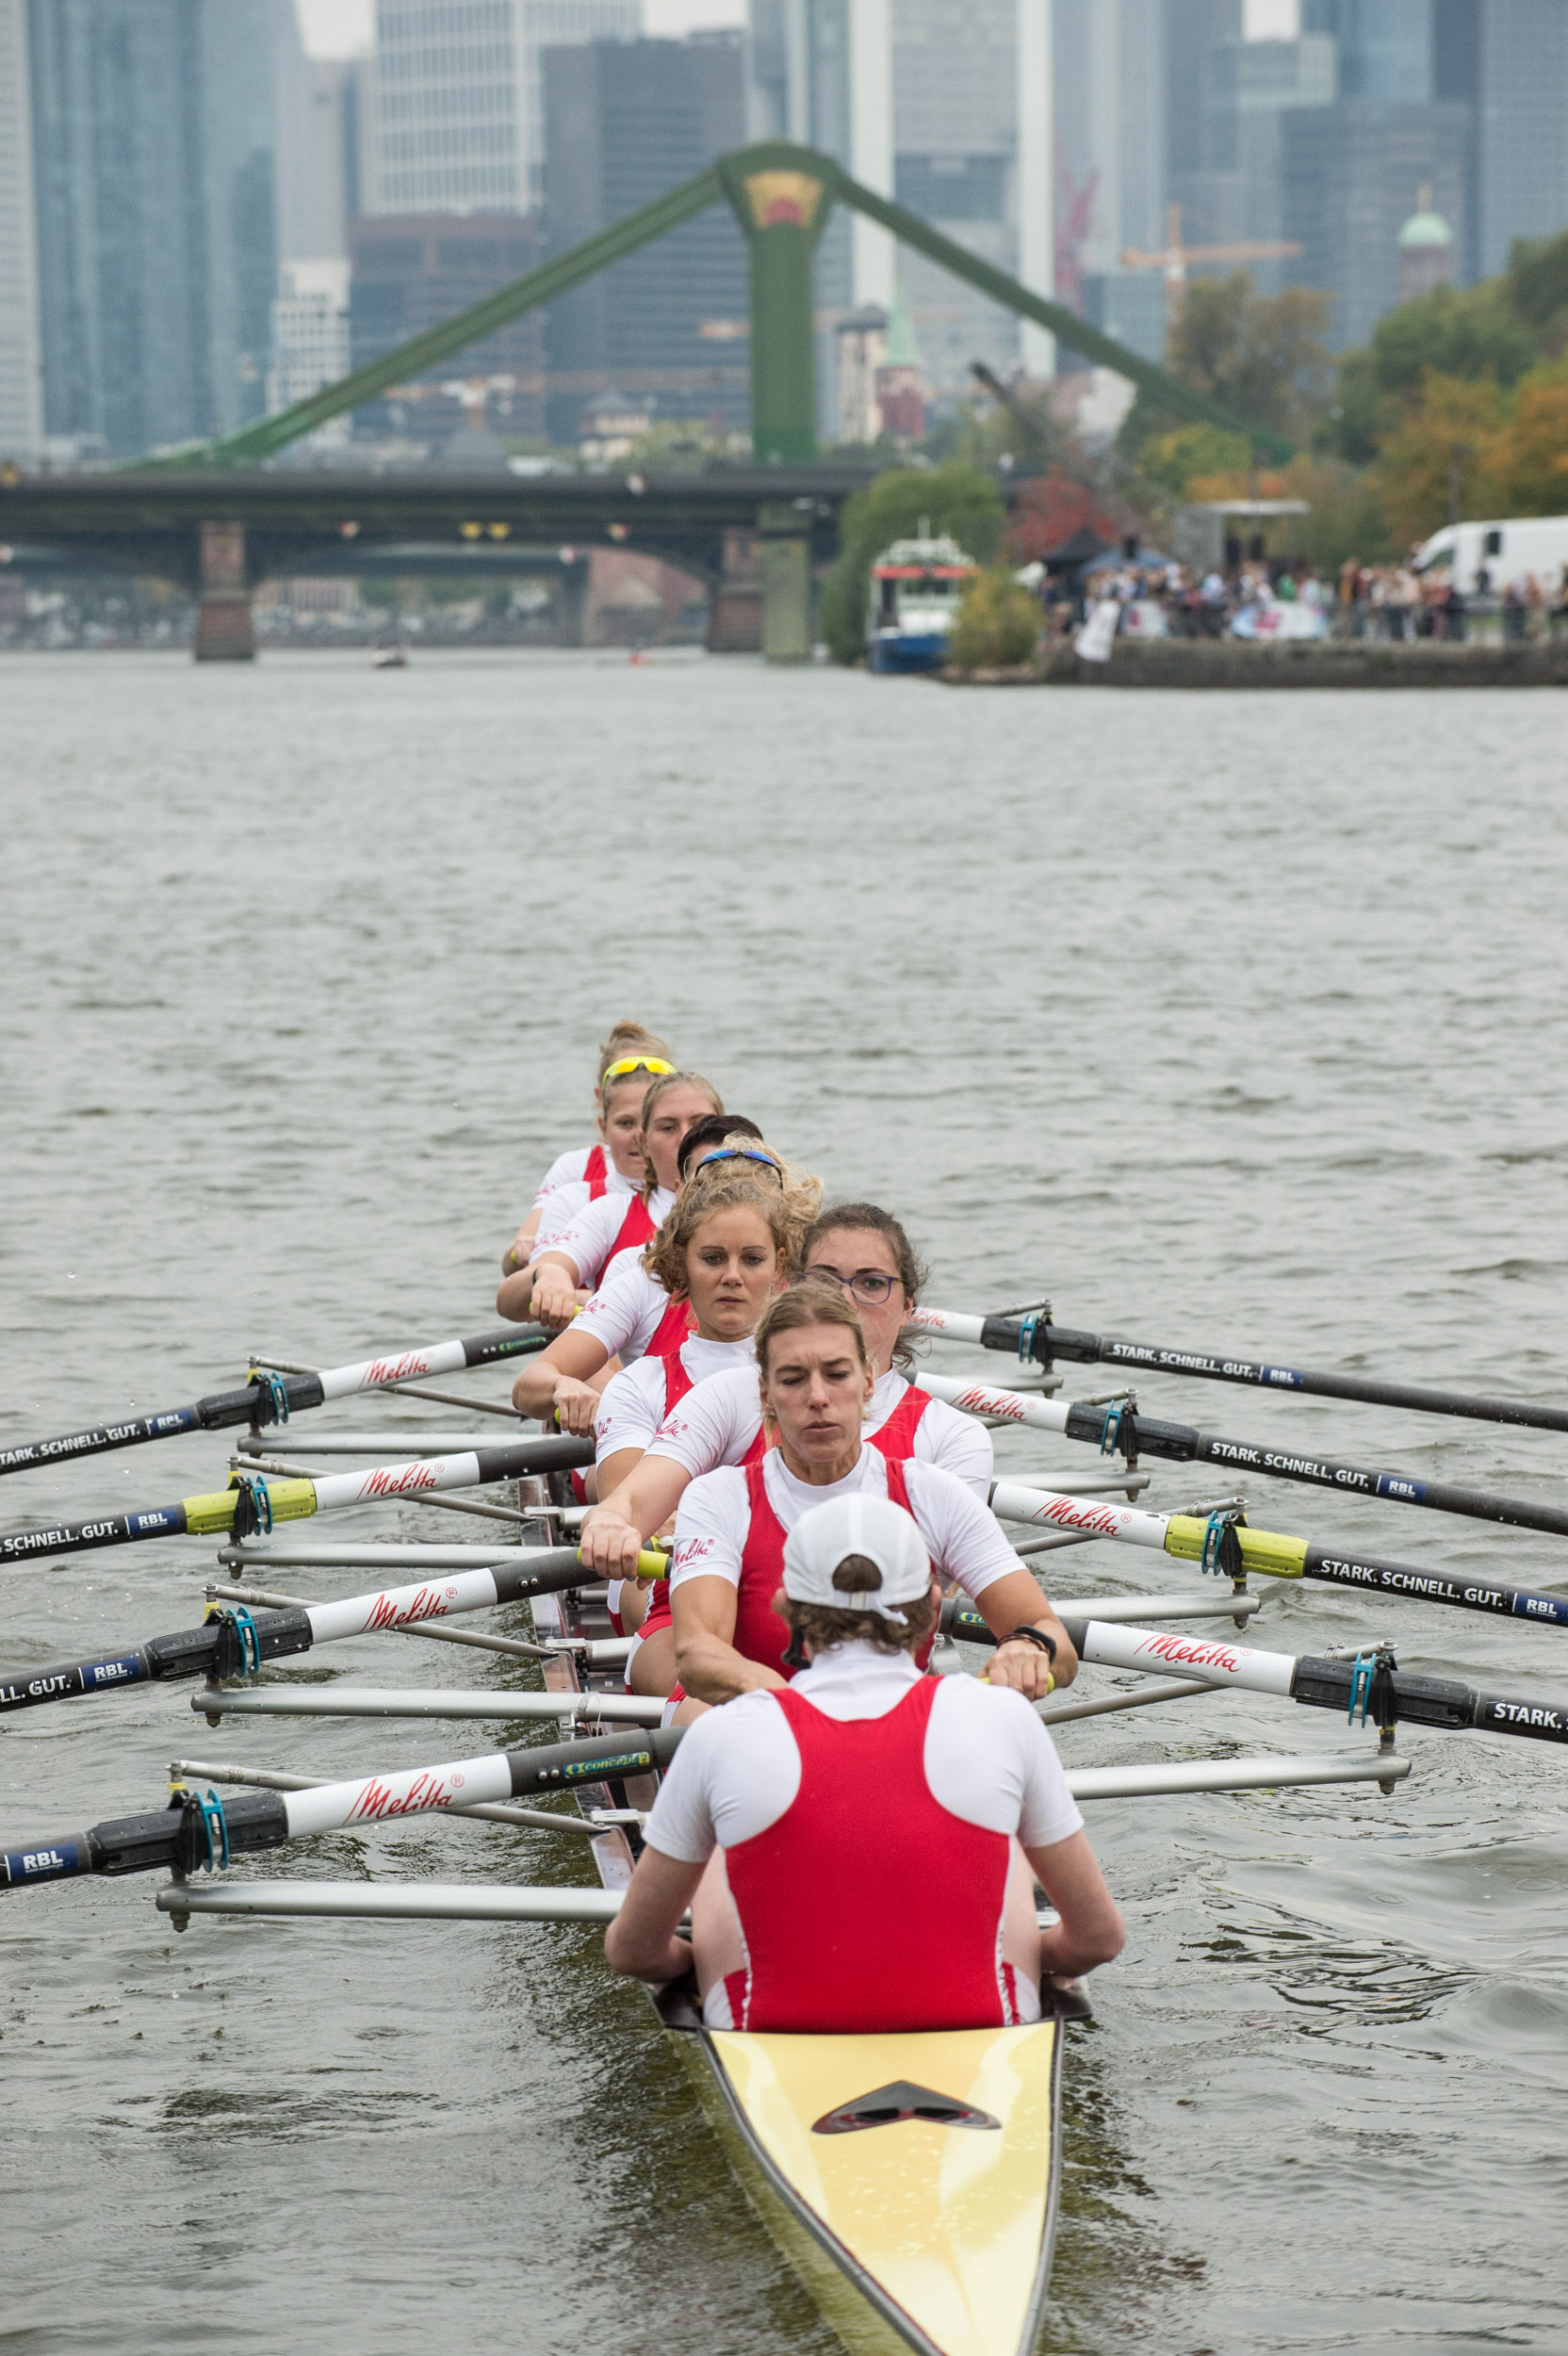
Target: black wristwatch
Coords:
[(1035, 1636)]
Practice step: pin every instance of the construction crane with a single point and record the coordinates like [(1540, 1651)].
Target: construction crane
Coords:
[(1175, 256)]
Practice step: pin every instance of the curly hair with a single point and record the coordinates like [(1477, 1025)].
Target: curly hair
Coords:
[(869, 1219), (787, 1204), (822, 1625)]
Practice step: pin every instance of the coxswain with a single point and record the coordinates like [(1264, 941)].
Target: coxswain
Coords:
[(579, 1256), (715, 1264), (859, 1847), (815, 1377), (629, 1058)]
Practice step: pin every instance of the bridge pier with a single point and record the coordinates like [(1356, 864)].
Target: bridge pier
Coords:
[(786, 583), (223, 630), (571, 602)]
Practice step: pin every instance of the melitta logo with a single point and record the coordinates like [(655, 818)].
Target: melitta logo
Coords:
[(983, 1402), (425, 1605), (394, 1480), (423, 1793), (1072, 1514), (394, 1369), (1196, 1654)]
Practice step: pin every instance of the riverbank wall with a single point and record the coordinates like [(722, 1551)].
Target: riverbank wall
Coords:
[(1332, 663)]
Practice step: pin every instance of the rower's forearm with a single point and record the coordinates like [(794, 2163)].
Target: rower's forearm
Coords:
[(533, 1391), (711, 1671), (515, 1296)]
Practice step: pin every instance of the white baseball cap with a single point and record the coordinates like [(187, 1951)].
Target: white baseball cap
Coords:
[(873, 1527)]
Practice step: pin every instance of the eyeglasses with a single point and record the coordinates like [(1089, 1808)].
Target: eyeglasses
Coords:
[(741, 1153), (633, 1063), (870, 1285)]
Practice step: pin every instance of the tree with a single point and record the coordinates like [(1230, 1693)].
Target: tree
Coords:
[(1442, 457), (1172, 462), (953, 498), (1538, 288), (1530, 461), (997, 623), (1261, 355)]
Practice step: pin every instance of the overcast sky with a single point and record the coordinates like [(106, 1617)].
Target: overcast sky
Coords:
[(339, 28)]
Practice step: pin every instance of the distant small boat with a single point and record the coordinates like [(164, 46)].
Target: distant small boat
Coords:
[(915, 588), (390, 658)]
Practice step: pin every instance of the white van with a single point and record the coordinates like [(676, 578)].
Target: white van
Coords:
[(1509, 551)]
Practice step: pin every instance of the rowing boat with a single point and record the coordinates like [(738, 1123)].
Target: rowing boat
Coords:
[(909, 2179)]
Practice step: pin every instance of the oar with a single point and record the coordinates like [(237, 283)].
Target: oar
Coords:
[(1225, 1544), (1371, 1683), (272, 1398), (252, 1502), (230, 1643), (196, 1831), (1037, 1341), (1121, 1425), (490, 1811)]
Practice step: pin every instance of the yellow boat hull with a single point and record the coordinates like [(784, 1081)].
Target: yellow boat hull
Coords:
[(911, 2231)]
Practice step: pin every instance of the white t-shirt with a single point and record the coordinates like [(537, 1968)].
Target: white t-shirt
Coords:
[(717, 1421), (962, 1536), (590, 1239), (564, 1205), (625, 1311), (988, 1759), (567, 1169), (631, 1405)]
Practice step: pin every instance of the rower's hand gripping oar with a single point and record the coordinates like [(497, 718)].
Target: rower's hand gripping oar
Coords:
[(1037, 1340), (1119, 1426), (235, 1642), (198, 1831), (268, 1397), (251, 1502)]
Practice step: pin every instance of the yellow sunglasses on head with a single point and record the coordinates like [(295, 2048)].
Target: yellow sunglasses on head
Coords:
[(633, 1063)]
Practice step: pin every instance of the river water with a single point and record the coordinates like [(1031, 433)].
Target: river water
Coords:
[(1231, 1022)]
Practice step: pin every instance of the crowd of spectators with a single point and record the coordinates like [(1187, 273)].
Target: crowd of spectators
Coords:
[(1163, 599)]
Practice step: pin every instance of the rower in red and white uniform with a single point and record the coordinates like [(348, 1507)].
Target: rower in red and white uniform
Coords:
[(628, 1315), (629, 1058), (720, 1257), (579, 1256), (866, 1254), (858, 1848), (815, 1376)]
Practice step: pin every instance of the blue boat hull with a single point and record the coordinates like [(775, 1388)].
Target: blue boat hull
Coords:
[(907, 651)]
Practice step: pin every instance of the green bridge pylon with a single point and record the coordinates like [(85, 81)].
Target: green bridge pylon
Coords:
[(782, 196)]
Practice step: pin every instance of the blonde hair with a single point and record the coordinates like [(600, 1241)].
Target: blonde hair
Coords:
[(786, 1203), (659, 1088), (628, 1038), (810, 1302)]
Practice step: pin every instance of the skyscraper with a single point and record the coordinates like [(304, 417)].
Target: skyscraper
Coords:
[(1250, 88), (625, 121), (21, 361), (153, 179), (1352, 174), (1110, 77), (1385, 47), (458, 107), (1507, 59)]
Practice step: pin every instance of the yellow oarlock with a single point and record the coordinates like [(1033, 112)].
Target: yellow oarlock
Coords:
[(291, 1501), (1265, 1551)]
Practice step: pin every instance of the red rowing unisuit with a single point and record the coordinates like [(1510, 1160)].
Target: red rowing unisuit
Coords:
[(636, 1228), (676, 1383), (836, 1898), (595, 1172), (896, 1437), (759, 1633)]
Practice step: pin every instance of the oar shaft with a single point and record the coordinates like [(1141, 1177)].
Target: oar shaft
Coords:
[(1320, 1683), (294, 1500), (218, 1649), (178, 1837), (1040, 1342), (257, 1401), (1272, 1554)]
